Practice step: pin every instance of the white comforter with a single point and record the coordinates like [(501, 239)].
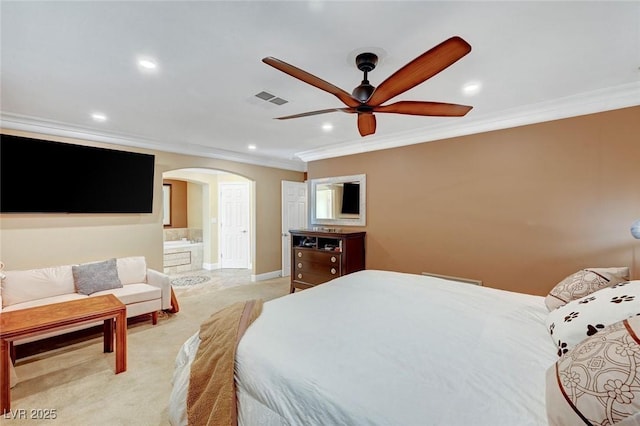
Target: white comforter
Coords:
[(385, 348)]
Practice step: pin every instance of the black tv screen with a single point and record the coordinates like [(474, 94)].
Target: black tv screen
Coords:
[(38, 176), (351, 198)]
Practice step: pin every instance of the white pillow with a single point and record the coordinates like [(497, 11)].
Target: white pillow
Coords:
[(572, 323), (132, 270)]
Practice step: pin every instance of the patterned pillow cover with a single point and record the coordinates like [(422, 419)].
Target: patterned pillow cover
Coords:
[(579, 319), (598, 383), (92, 277), (582, 283)]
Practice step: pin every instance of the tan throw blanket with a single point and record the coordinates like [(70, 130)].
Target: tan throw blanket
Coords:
[(211, 398)]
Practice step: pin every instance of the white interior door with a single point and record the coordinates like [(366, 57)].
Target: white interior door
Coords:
[(234, 225), (294, 216)]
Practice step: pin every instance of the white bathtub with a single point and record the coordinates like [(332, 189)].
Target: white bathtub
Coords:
[(182, 256), (168, 245)]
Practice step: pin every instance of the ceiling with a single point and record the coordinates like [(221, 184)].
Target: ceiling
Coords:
[(535, 61)]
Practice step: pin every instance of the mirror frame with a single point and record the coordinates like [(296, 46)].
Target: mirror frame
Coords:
[(361, 221)]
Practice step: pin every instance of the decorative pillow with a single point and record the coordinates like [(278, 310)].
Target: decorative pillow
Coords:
[(582, 283), (579, 319), (92, 277), (132, 270), (598, 383)]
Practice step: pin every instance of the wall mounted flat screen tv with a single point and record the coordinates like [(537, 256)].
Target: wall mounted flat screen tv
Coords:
[(38, 176)]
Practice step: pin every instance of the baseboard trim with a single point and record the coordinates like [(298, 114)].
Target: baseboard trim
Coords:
[(449, 277), (210, 266), (266, 276)]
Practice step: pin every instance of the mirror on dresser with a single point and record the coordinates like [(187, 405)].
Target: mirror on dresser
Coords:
[(339, 200)]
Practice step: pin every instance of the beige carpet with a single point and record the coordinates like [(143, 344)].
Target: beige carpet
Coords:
[(78, 380)]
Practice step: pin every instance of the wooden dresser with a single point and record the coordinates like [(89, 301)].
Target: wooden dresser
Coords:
[(320, 256)]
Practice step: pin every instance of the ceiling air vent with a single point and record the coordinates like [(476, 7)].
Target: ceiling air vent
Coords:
[(266, 96), (278, 101)]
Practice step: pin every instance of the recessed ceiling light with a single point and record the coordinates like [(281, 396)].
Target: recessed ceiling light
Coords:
[(98, 116), (327, 127), (471, 88), (251, 147), (147, 64)]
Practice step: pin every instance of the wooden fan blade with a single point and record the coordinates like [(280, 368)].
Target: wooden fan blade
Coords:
[(366, 124), (436, 109), (322, 111), (420, 69), (311, 79)]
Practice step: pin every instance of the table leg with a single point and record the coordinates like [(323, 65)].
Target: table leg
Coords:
[(108, 334), (121, 342), (12, 352), (5, 395)]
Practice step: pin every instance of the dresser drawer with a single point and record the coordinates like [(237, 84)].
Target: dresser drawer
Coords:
[(313, 278), (318, 256), (330, 270)]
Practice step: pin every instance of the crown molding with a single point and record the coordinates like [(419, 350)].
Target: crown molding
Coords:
[(55, 128), (616, 97)]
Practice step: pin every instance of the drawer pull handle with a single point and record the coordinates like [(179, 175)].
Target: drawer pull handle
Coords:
[(300, 276), (300, 265), (299, 254), (333, 259), (333, 271)]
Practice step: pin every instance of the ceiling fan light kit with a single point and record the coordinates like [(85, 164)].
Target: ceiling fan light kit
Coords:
[(366, 99)]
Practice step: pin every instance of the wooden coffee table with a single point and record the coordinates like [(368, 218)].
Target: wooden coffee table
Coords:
[(38, 320)]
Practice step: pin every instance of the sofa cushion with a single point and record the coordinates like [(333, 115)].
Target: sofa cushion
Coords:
[(132, 270), (133, 293), (46, 301), (32, 284), (97, 276)]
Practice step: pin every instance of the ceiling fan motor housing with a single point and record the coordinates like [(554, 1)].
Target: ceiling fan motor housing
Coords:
[(363, 92)]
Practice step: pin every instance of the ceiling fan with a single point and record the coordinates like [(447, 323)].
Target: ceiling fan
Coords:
[(367, 99)]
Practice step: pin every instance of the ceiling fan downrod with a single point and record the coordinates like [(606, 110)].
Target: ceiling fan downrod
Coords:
[(365, 62)]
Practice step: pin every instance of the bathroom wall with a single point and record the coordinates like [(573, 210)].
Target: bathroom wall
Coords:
[(178, 234), (194, 205), (178, 203)]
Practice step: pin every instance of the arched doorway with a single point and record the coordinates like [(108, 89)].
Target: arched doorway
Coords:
[(194, 237)]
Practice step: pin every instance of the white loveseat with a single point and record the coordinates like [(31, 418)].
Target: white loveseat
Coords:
[(142, 290)]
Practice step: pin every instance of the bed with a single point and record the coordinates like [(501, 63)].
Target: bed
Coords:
[(388, 348)]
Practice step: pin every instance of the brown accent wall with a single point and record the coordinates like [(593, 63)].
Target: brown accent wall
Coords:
[(519, 208), (179, 212)]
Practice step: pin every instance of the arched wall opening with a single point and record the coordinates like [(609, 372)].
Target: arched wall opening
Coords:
[(205, 229)]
